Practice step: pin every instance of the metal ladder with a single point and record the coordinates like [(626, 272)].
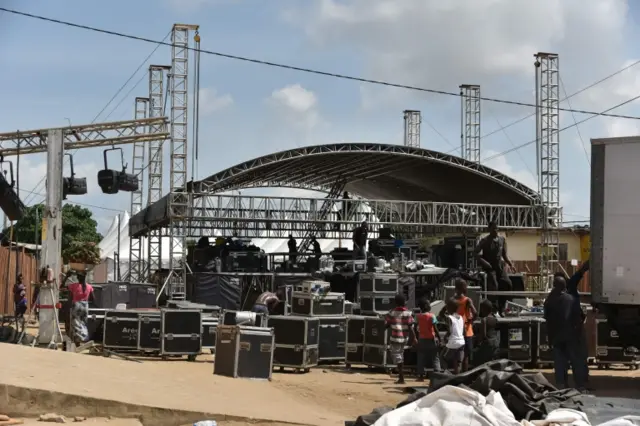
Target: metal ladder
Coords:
[(177, 285), (323, 214)]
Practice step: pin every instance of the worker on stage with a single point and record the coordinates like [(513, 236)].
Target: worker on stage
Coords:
[(359, 239), (317, 253), (491, 253), (292, 245)]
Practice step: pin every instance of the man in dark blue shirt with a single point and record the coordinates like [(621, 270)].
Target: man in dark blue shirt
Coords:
[(564, 328), (572, 289)]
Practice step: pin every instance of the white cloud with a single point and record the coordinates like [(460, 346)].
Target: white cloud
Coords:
[(295, 97), (297, 106), (500, 163), (211, 101), (617, 127), (439, 45)]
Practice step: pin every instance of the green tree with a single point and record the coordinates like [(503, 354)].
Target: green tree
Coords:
[(78, 226)]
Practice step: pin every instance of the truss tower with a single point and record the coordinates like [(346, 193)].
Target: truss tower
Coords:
[(179, 198), (157, 74), (470, 122), (548, 147), (137, 167), (412, 122)]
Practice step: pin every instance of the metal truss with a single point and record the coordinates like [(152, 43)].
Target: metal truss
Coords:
[(137, 168), (470, 122), (276, 217), (86, 136), (179, 201), (157, 75), (412, 121), (548, 114), (281, 172)]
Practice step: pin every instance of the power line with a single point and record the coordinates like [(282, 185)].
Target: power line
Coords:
[(75, 202), (575, 120), (295, 68), (584, 89), (42, 181), (561, 130)]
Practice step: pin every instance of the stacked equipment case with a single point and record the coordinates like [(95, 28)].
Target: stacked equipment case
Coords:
[(376, 292), (317, 304), (354, 340), (375, 351), (296, 342), (243, 351), (332, 338)]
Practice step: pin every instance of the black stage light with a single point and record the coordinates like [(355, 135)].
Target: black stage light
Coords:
[(73, 185), (112, 181), (10, 202)]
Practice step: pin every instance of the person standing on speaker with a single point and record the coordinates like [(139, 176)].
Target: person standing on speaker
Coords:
[(491, 253), (292, 245), (359, 239)]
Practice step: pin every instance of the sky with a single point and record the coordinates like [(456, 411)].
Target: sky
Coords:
[(55, 75)]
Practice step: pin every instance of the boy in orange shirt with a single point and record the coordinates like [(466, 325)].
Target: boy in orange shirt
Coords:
[(428, 339)]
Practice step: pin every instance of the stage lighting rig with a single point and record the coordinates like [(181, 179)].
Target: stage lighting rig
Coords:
[(73, 185), (10, 202), (112, 181)]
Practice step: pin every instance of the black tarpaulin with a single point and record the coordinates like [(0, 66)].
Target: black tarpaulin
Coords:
[(214, 289)]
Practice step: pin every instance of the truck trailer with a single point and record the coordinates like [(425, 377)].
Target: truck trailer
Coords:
[(615, 234)]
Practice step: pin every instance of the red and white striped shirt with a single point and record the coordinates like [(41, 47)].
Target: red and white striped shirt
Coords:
[(400, 320)]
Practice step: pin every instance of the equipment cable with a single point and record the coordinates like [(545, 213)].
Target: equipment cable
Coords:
[(296, 68)]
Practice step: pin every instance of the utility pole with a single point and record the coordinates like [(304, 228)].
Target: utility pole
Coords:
[(54, 142), (52, 244)]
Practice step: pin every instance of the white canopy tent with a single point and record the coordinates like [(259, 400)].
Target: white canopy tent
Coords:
[(116, 241)]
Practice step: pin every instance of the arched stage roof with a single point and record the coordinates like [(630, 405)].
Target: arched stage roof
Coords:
[(377, 171)]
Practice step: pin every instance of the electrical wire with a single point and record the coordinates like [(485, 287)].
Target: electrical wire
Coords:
[(143, 63), (575, 121), (560, 130), (584, 89), (295, 68)]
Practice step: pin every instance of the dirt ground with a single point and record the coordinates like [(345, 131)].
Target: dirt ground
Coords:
[(326, 395)]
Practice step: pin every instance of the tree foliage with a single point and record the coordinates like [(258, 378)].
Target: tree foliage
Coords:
[(78, 229)]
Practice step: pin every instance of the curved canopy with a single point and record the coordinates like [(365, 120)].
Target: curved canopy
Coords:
[(379, 172)]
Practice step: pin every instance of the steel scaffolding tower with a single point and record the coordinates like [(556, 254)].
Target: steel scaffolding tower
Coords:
[(137, 167), (179, 199), (470, 122), (412, 121), (155, 165), (548, 147)]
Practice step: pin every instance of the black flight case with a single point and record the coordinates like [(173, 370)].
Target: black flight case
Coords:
[(244, 352), (181, 333), (149, 329), (296, 342), (355, 340), (120, 330), (332, 338)]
